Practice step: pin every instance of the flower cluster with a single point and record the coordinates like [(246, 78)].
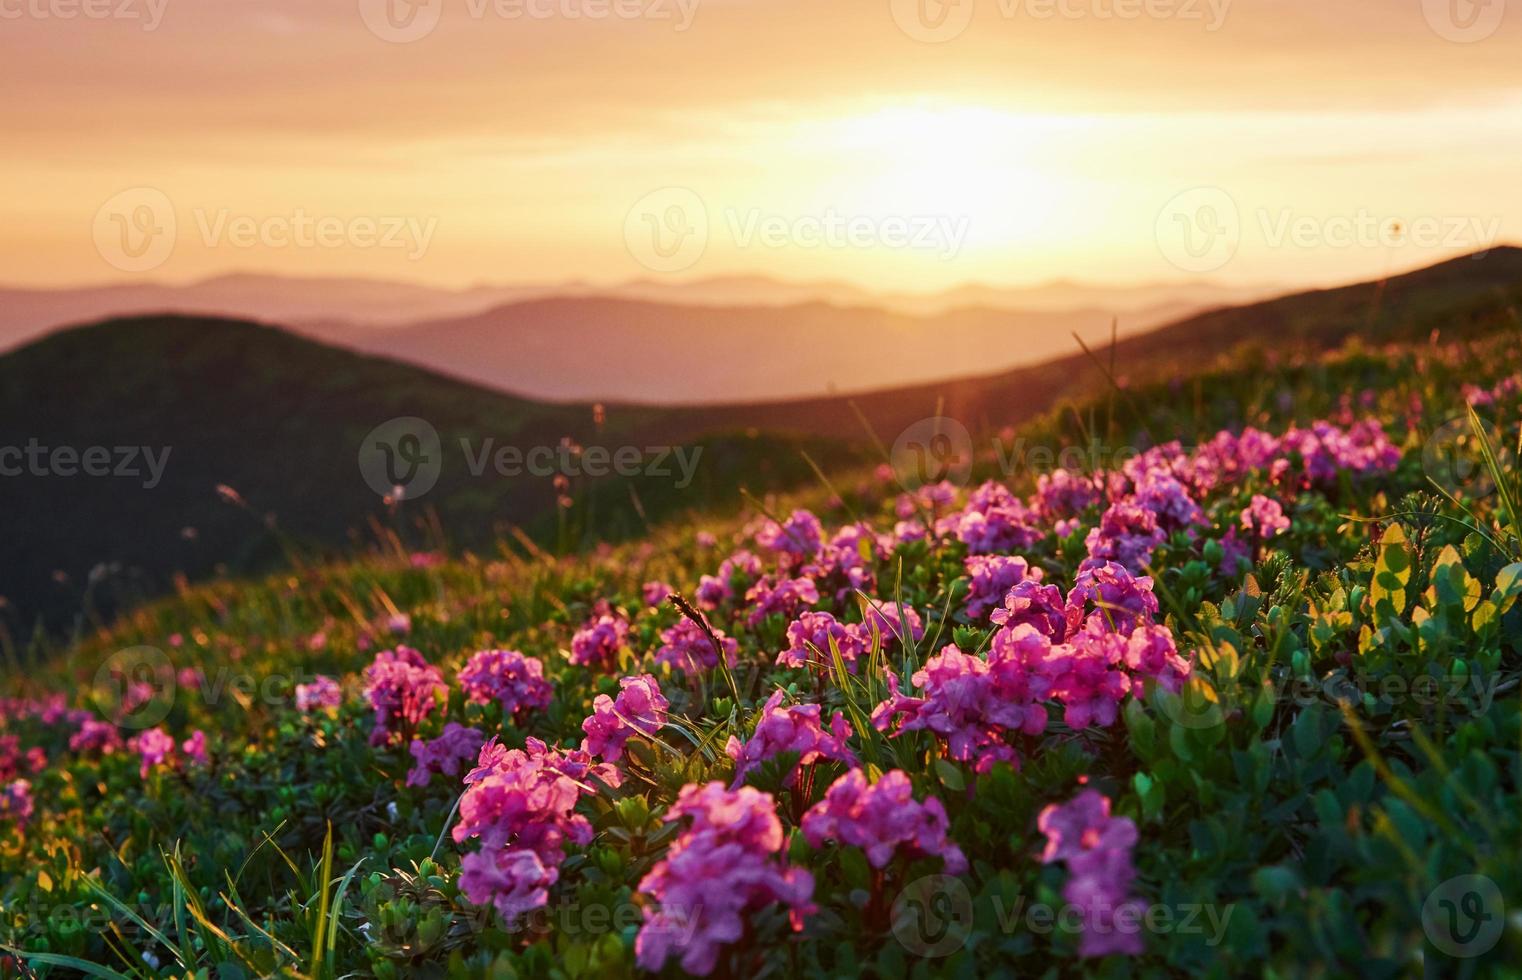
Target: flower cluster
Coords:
[(521, 804), (991, 577), (808, 642), (1096, 848), (323, 694), (16, 802), (508, 677), (403, 690), (640, 709), (685, 646), (95, 738), (155, 749), (882, 819), (597, 643), (796, 728), (723, 867), (445, 754)]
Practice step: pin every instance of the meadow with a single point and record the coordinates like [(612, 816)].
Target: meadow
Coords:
[(1243, 702)]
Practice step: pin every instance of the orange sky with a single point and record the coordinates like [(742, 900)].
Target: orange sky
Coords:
[(521, 140)]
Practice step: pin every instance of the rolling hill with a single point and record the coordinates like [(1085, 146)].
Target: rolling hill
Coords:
[(281, 420)]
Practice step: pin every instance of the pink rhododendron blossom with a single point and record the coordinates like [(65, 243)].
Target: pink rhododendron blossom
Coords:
[(1128, 534), (514, 681), (640, 709), (1029, 603), (796, 728), (1096, 848), (799, 538), (655, 592), (786, 598), (194, 748), (991, 577), (1108, 594), (402, 689), (971, 706), (722, 868), (445, 754), (95, 737), (715, 590), (1264, 518), (809, 636), (882, 819), (686, 647), (519, 802), (597, 643), (154, 747), (323, 694), (883, 614), (16, 803)]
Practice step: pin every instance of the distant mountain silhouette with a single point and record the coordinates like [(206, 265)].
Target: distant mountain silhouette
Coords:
[(334, 308)]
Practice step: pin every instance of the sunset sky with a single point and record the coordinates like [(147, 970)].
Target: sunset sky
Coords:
[(865, 140)]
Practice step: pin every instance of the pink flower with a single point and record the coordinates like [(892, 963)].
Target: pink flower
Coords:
[(1264, 518), (194, 748), (95, 737), (792, 729), (799, 538), (992, 576), (1097, 851), (881, 819), (16, 803), (655, 592), (597, 643), (1029, 603), (445, 754), (154, 748), (809, 637), (971, 704), (686, 647), (519, 804), (508, 677), (402, 688), (639, 710), (884, 615), (323, 694), (715, 590), (787, 598), (1111, 596), (1128, 533), (725, 866)]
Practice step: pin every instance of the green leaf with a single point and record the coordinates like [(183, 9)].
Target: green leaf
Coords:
[(1392, 573)]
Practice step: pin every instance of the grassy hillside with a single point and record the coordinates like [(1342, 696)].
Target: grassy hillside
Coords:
[(281, 421), (1292, 748)]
